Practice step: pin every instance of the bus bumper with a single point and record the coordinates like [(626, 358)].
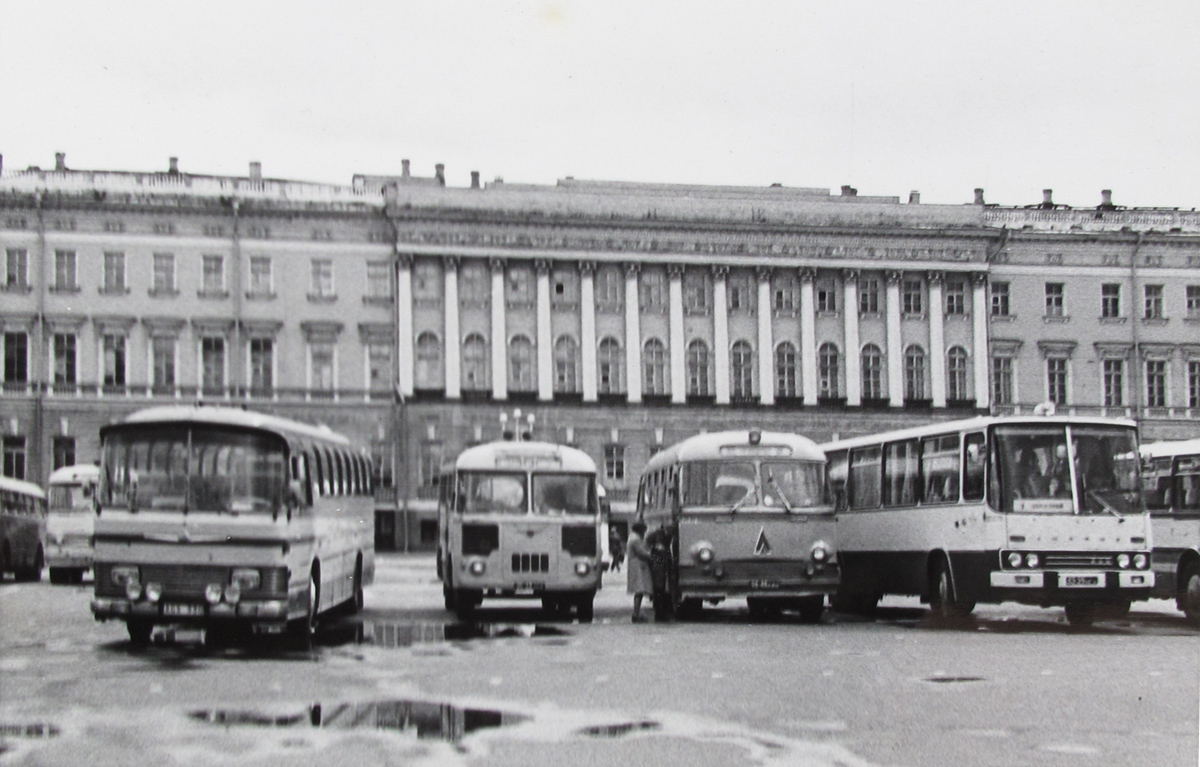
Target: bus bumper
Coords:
[(1068, 581), (108, 608)]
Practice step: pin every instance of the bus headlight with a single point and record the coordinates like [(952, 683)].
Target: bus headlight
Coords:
[(1014, 559), (820, 553), (477, 567), (123, 574), (1032, 560), (212, 593), (133, 591), (233, 593), (582, 568), (153, 591), (1123, 561), (1141, 561), (245, 578)]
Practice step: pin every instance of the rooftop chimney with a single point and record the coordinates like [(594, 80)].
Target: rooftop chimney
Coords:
[(914, 197), (60, 160), (440, 173), (474, 179), (1106, 198), (979, 196), (1047, 198), (849, 191), (174, 168), (256, 172), (404, 169)]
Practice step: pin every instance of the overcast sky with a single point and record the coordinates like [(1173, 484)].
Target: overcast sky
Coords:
[(888, 97)]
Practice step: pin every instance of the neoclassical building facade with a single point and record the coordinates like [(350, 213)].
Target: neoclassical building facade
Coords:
[(617, 317)]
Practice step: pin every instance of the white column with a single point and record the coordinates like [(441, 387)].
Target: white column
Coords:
[(545, 343), (853, 353), (499, 333), (895, 351), (766, 345), (405, 340), (808, 337), (678, 366), (452, 344), (587, 328), (720, 311), (979, 353), (633, 335), (937, 340)]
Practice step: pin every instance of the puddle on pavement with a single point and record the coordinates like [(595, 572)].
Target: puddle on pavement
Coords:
[(952, 679), (429, 720), (619, 730), (37, 731), (402, 634)]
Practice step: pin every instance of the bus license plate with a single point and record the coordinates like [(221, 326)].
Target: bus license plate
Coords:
[(1082, 580), (183, 610), (762, 583)]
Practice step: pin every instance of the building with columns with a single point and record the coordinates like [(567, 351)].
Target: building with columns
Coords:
[(617, 317)]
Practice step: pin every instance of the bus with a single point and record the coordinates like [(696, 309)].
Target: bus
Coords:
[(22, 522), (1043, 510), (520, 520), (69, 516), (229, 521), (750, 518), (1171, 482)]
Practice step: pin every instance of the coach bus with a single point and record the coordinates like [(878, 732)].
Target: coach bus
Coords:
[(1171, 478), (1043, 510), (520, 520), (69, 517), (230, 521), (22, 524), (751, 519)]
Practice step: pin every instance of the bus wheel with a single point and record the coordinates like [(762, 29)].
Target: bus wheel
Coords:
[(448, 597), (4, 559), (358, 599), (139, 631), (1081, 613), (690, 609), (59, 575), (302, 630), (584, 608), (1189, 593), (811, 609), (943, 600), (465, 603), (33, 572)]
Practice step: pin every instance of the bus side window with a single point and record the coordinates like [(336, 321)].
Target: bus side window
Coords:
[(974, 464)]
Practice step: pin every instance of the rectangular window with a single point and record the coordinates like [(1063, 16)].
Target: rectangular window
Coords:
[(260, 276), (262, 365), (213, 277), (614, 463), (740, 293), (114, 360), (1156, 383), (64, 270), (164, 273), (826, 297), (16, 269), (63, 451), (1054, 299), (64, 358), (14, 457), (610, 288), (1193, 376), (1056, 380), (865, 478), (652, 291), (868, 296), (901, 473), (1002, 380), (1193, 302), (1110, 300), (1000, 306), (1114, 383), (783, 293), (162, 353), (379, 367), (695, 292), (956, 298), (912, 299), (114, 272), (940, 465), (212, 363), (1154, 302), (427, 281), (321, 355), (322, 278), (379, 280), (16, 358), (431, 463)]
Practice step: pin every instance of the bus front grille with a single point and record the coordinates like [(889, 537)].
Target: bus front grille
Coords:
[(531, 563), (1063, 559), (181, 579)]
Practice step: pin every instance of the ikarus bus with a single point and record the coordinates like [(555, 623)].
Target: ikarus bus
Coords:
[(70, 512), (520, 520), (752, 518), (230, 521), (1171, 479)]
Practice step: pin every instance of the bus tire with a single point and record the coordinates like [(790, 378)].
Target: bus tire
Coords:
[(1080, 613), (465, 602), (303, 629), (4, 558), (357, 597), (811, 609), (585, 607), (139, 631), (448, 597), (943, 600), (1189, 593), (690, 609), (33, 573), (60, 575)]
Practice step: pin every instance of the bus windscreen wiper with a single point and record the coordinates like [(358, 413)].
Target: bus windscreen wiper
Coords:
[(779, 491)]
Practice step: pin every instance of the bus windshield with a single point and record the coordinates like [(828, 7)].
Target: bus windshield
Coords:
[(1094, 472), (193, 468), (793, 485), (555, 494), (71, 499), (492, 492)]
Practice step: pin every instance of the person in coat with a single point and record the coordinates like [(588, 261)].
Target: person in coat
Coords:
[(637, 575)]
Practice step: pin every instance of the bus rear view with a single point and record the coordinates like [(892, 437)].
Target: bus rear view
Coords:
[(69, 521)]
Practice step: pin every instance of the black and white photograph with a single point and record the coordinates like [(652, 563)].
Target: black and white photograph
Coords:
[(566, 382)]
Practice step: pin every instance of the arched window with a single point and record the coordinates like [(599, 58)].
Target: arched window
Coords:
[(475, 363), (429, 361), (914, 373), (520, 364), (956, 373), (654, 367), (785, 370), (697, 368), (609, 366), (741, 367), (872, 372), (829, 370), (566, 355)]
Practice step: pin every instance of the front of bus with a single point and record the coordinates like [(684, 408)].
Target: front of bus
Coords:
[(193, 527), (69, 517), (1075, 530)]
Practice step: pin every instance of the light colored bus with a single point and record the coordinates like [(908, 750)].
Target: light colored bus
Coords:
[(520, 520), (752, 521), (230, 521), (69, 516), (1042, 510), (1171, 482), (22, 524)]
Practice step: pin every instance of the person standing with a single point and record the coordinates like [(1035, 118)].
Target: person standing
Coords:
[(659, 543), (616, 547), (637, 576)]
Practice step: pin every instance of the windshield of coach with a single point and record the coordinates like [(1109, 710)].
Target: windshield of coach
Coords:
[(491, 492), (793, 485), (71, 499), (193, 468), (557, 494), (1058, 469)]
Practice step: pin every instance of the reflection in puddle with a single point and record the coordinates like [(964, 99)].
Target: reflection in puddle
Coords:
[(619, 730), (28, 730), (952, 679), (407, 634), (436, 721)]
